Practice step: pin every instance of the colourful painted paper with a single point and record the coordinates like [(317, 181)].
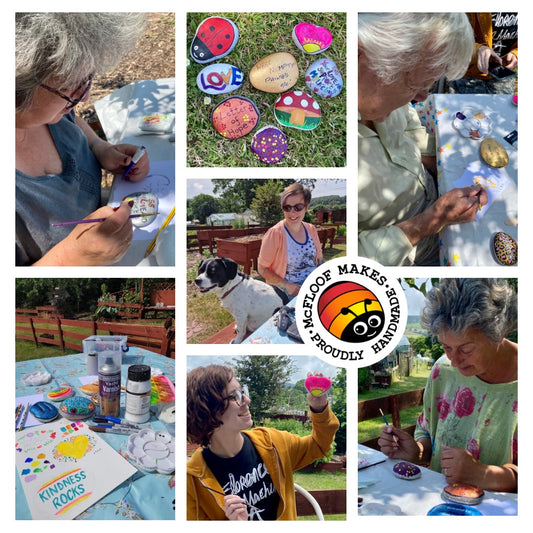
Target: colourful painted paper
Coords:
[(64, 468)]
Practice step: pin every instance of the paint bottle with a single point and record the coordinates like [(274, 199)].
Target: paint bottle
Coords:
[(138, 392), (109, 383), (92, 363)]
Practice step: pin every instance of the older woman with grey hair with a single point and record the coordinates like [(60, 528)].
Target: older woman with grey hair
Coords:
[(59, 158), (401, 56), (468, 427)]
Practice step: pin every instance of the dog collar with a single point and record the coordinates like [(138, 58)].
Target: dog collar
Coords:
[(234, 286)]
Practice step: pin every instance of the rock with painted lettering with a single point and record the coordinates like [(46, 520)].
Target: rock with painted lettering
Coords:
[(297, 109), (219, 78), (311, 39), (275, 73), (235, 117), (323, 78), (269, 144), (215, 38)]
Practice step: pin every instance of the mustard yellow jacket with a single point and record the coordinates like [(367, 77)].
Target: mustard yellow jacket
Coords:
[(282, 453)]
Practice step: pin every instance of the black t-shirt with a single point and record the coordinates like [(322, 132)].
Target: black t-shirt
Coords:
[(246, 476), (504, 32)]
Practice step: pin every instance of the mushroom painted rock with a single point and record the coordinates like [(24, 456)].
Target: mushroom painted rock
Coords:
[(323, 78), (297, 109), (235, 117), (215, 38), (269, 145), (220, 78), (275, 73), (311, 39)]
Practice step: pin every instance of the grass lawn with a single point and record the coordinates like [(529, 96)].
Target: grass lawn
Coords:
[(262, 34), (26, 350), (372, 428), (321, 481)]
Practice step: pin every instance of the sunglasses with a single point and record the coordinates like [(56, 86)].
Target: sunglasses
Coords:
[(237, 396), (297, 207), (72, 102)]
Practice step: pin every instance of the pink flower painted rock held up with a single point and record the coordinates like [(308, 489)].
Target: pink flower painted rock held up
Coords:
[(317, 385)]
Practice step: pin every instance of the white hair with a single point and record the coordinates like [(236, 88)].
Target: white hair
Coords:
[(398, 42)]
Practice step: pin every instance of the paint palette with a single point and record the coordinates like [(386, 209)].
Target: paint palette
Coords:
[(472, 123), (36, 378), (153, 451)]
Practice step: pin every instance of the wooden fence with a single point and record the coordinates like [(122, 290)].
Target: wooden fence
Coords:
[(59, 332)]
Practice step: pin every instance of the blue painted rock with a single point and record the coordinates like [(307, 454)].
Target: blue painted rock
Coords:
[(269, 145), (44, 411), (219, 78), (311, 39), (323, 78), (275, 73), (77, 408), (215, 38), (235, 117), (297, 109)]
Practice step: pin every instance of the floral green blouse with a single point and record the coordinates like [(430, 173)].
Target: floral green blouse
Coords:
[(468, 413)]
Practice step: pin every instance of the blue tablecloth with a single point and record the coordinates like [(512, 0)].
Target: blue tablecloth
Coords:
[(145, 495)]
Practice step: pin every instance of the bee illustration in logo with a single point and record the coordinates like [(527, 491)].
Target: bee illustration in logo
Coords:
[(351, 312)]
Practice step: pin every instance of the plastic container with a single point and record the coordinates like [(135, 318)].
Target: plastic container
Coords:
[(138, 392)]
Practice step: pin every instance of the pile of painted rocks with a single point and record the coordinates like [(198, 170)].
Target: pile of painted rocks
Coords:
[(237, 116)]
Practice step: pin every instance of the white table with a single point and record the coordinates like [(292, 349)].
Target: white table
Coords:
[(379, 487), (470, 244), (119, 114)]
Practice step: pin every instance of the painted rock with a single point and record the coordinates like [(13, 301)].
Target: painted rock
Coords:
[(215, 38), (269, 144), (235, 117), (143, 203), (275, 73), (297, 109), (219, 78), (44, 411), (311, 39), (405, 470), (58, 395), (493, 153), (77, 408), (317, 385), (463, 493), (505, 249), (323, 78)]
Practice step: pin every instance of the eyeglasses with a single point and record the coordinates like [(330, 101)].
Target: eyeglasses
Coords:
[(297, 207), (237, 396), (72, 102)]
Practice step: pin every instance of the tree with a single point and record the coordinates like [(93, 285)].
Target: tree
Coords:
[(266, 376), (266, 206), (201, 206)]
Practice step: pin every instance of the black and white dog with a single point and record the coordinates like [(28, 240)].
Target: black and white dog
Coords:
[(250, 301)]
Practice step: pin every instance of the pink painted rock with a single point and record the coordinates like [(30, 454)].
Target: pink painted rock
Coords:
[(317, 385), (311, 39)]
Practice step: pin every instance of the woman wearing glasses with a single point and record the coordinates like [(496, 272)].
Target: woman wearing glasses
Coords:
[(59, 158), (241, 473), (291, 249)]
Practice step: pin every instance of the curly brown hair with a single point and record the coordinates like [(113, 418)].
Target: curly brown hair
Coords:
[(206, 401)]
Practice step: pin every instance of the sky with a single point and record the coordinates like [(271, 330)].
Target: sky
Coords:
[(323, 187), (302, 363)]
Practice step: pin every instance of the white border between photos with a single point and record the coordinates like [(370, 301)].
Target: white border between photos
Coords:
[(349, 173)]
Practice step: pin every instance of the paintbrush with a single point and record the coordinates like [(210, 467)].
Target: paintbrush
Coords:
[(394, 437), (89, 220), (223, 494), (164, 225)]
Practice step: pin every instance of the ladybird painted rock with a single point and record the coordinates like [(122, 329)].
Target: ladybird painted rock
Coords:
[(219, 78), (405, 470), (317, 385), (297, 109), (235, 117), (323, 78), (505, 249), (77, 408), (275, 73), (269, 145), (215, 38), (311, 39)]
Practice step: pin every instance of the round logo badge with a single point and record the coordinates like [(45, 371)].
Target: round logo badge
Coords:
[(351, 312)]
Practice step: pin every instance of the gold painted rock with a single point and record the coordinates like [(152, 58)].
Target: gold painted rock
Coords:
[(275, 73), (493, 153)]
